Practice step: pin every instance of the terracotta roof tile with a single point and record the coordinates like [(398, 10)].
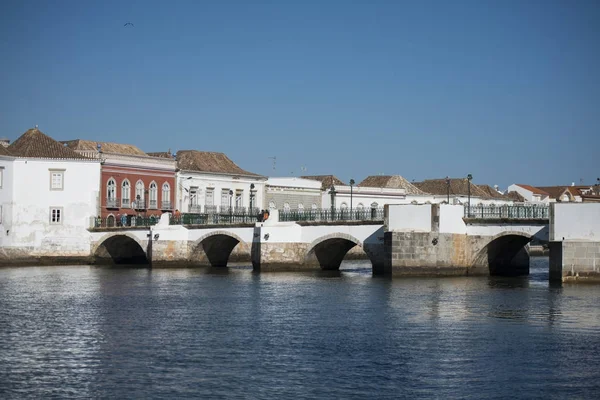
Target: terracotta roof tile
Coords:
[(533, 189), (326, 180), (4, 151), (515, 196), (161, 154), (105, 147), (205, 161), (458, 187), (392, 182), (36, 144)]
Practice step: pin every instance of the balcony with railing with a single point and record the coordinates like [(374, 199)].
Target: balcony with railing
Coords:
[(112, 202), (166, 205), (126, 203), (152, 204), (139, 204)]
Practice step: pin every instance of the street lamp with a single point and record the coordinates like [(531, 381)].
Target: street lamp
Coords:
[(251, 198), (351, 184), (448, 189), (230, 209), (332, 192), (469, 177)]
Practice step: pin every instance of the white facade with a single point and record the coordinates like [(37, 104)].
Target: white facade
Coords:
[(198, 190), (46, 205), (290, 193), (363, 197)]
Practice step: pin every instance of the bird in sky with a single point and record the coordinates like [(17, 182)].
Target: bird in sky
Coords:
[(129, 23)]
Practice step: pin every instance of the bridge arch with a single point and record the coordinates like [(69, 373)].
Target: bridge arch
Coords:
[(119, 248), (329, 251), (215, 248), (505, 254)]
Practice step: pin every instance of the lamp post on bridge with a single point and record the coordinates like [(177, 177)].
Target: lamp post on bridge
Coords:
[(469, 177), (448, 189), (351, 185), (230, 209), (252, 193), (332, 192)]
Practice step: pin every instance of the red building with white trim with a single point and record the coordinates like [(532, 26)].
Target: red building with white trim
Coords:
[(132, 182)]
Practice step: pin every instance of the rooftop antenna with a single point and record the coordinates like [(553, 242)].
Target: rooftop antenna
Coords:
[(274, 158)]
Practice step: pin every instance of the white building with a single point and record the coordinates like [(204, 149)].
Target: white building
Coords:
[(530, 193), (292, 194), (48, 195), (372, 193), (211, 182)]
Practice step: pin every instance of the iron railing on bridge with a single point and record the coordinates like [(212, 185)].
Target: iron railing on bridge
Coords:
[(123, 221), (327, 214), (515, 211)]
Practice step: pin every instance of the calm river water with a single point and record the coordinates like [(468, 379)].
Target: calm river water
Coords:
[(88, 332)]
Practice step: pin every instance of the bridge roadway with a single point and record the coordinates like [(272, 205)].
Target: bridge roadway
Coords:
[(412, 240)]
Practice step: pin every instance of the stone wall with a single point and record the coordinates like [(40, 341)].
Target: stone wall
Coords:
[(434, 253), (575, 261)]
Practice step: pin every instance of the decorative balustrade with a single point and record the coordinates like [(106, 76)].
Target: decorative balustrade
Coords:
[(515, 211), (166, 205), (327, 214)]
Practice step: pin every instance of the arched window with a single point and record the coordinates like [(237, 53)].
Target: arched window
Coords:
[(314, 206), (125, 194), (286, 207), (111, 193), (272, 205), (153, 195), (300, 207), (360, 206), (374, 205), (166, 196), (110, 221), (139, 193), (344, 206)]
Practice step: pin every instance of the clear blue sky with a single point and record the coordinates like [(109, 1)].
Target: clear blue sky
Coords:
[(508, 91)]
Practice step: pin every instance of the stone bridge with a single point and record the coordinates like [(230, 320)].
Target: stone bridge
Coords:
[(438, 240), (413, 240)]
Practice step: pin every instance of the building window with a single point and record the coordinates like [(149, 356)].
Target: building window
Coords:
[(209, 199), (239, 199), (272, 205), (56, 215), (111, 193), (125, 193), (314, 206), (166, 196), (139, 191), (57, 179), (343, 206), (360, 206), (1, 177), (224, 197), (286, 207), (153, 195)]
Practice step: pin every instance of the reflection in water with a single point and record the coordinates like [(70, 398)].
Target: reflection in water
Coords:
[(233, 333)]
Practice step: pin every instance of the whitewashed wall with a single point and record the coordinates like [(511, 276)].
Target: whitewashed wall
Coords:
[(575, 221), (28, 223), (6, 193), (409, 217), (451, 219)]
